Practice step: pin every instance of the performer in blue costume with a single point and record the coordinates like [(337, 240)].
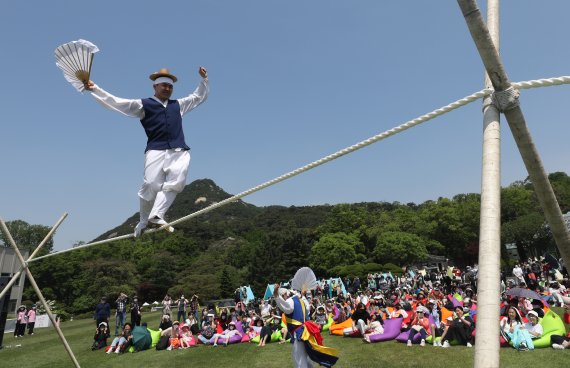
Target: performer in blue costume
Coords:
[(167, 156), (305, 334)]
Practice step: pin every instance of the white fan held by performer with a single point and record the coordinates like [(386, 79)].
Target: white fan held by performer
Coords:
[(167, 156)]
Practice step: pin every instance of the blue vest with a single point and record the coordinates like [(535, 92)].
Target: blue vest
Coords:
[(163, 125), (297, 318)]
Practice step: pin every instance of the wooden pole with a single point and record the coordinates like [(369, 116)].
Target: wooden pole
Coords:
[(38, 248), (38, 292), (518, 127), (487, 354)]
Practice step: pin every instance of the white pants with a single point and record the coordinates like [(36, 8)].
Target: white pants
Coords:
[(300, 356), (164, 177)]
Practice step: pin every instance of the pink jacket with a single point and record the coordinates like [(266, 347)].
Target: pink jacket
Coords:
[(22, 317), (31, 316)]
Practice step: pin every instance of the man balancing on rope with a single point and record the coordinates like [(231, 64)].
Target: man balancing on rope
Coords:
[(167, 156)]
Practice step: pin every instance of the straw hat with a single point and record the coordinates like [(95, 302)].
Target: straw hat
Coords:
[(163, 72)]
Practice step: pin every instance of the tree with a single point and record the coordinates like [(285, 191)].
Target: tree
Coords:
[(400, 248), (345, 218), (226, 287), (332, 250), (526, 232), (27, 237)]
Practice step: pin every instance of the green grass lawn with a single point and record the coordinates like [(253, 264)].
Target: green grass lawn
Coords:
[(45, 349)]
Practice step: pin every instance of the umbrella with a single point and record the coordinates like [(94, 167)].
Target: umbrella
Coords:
[(553, 262), (141, 338), (523, 293), (155, 303), (145, 304)]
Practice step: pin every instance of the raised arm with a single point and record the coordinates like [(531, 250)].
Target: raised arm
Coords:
[(132, 108), (198, 96)]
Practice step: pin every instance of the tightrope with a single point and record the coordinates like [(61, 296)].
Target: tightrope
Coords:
[(400, 128)]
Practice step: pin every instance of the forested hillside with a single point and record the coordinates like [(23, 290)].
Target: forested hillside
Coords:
[(241, 244)]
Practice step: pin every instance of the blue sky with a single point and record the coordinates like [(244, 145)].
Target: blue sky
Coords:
[(291, 82)]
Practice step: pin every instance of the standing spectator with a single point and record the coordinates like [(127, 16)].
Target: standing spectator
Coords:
[(121, 313), (519, 274), (21, 322), (181, 303), (327, 290), (195, 307), (31, 320), (136, 312), (167, 304), (356, 284), (102, 312)]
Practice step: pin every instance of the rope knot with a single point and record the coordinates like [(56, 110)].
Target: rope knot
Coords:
[(505, 100)]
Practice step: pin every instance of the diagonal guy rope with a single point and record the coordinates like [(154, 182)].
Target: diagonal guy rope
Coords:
[(400, 128)]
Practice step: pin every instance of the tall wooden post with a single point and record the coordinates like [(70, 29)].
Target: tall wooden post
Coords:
[(518, 127), (489, 275)]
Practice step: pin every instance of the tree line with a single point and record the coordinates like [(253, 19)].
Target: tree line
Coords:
[(241, 244)]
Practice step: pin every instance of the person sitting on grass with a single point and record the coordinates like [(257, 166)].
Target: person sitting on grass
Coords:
[(320, 316), (208, 329), (226, 334), (272, 324), (420, 325), (460, 329), (360, 321), (123, 341), (523, 336), (510, 323), (376, 327), (187, 340), (101, 336), (255, 328), (165, 322)]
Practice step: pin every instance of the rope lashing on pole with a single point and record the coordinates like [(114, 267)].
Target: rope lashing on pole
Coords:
[(400, 128), (505, 100)]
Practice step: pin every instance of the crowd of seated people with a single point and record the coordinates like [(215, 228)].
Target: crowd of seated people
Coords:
[(437, 307)]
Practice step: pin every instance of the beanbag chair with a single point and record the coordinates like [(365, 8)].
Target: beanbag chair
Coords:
[(391, 330), (337, 328), (403, 337), (329, 323), (155, 336), (445, 313), (235, 338), (429, 340), (275, 336), (551, 324), (245, 338)]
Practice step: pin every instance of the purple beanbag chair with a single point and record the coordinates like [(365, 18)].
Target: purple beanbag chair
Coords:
[(416, 337), (403, 337), (391, 330), (234, 339)]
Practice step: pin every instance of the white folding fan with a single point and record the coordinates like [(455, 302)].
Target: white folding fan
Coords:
[(304, 280), (75, 59)]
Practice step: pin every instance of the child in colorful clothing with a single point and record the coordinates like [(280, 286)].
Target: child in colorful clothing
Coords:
[(186, 338), (231, 331)]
